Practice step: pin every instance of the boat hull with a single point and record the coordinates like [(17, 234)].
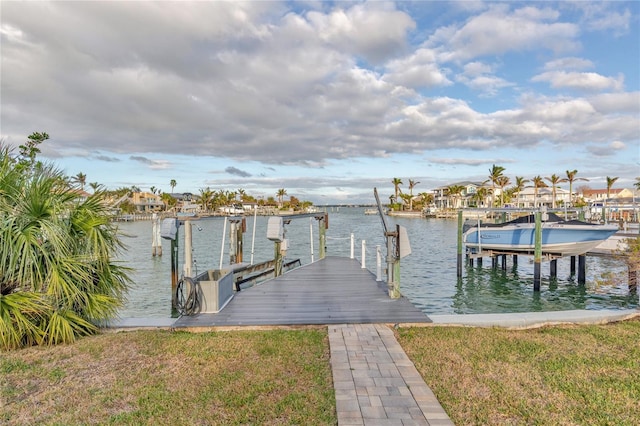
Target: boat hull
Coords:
[(557, 238)]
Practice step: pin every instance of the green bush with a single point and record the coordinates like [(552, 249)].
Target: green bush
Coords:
[(57, 277)]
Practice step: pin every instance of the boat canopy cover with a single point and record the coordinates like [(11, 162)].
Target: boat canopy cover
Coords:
[(552, 217)]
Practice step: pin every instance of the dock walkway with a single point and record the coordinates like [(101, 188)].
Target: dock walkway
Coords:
[(334, 290)]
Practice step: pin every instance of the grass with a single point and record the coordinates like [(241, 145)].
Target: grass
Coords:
[(553, 375), (253, 377)]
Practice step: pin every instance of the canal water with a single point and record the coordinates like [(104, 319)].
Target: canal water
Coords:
[(428, 274)]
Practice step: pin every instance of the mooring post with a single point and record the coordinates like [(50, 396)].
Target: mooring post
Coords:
[(572, 265), (364, 247), (188, 255), (393, 262), (323, 224), (459, 262), (504, 262), (156, 241), (277, 257), (236, 229), (537, 258), (553, 268), (582, 269), (174, 276), (515, 260)]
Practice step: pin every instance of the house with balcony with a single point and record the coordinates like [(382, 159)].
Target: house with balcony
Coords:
[(443, 199), (146, 202)]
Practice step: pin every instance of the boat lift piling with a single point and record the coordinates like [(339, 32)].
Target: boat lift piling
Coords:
[(538, 254)]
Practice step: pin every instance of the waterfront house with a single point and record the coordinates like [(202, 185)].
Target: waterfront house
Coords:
[(527, 197), (442, 198), (146, 202), (595, 195)]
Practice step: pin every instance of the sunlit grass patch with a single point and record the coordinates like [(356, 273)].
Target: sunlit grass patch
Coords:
[(252, 377), (552, 375)]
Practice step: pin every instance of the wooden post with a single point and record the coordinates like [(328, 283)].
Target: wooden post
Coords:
[(515, 260), (537, 258), (395, 291), (277, 256), (188, 258), (323, 224), (174, 277), (242, 227), (156, 240), (553, 268), (235, 241), (504, 262), (459, 262), (582, 268), (633, 280), (572, 265)]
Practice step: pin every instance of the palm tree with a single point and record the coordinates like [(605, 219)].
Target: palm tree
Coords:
[(396, 186), (610, 182), (80, 179), (480, 196), (571, 177), (205, 198), (538, 182), (494, 174), (95, 186), (58, 279), (455, 191), (554, 180), (172, 184), (426, 198), (153, 189), (519, 186), (502, 182), (637, 183), (412, 184), (280, 194)]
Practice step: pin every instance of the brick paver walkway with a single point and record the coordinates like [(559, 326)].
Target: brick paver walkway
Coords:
[(375, 382)]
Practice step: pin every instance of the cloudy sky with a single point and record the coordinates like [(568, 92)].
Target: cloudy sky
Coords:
[(325, 99)]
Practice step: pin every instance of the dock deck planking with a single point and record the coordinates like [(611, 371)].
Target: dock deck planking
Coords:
[(334, 290)]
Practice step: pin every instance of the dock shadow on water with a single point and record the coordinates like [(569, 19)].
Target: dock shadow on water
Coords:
[(428, 275)]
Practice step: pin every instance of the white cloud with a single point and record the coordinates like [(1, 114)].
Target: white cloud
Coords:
[(375, 30), (416, 71), (498, 31), (568, 63), (586, 81)]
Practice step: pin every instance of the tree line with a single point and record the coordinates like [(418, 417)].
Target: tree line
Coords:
[(509, 190)]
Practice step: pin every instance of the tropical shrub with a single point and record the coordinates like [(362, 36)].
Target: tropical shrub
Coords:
[(57, 277)]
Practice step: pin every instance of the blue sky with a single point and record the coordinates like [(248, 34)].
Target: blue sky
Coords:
[(325, 99)]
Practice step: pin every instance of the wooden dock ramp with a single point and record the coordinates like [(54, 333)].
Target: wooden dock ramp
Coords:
[(334, 290)]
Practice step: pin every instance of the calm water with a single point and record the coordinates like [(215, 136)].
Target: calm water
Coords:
[(428, 275)]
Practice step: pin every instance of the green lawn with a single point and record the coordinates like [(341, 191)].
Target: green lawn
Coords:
[(553, 375), (164, 378), (565, 375)]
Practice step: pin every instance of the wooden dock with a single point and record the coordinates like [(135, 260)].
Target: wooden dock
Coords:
[(334, 290)]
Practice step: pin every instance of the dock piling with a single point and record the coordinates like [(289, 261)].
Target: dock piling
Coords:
[(459, 262), (582, 268), (537, 259)]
